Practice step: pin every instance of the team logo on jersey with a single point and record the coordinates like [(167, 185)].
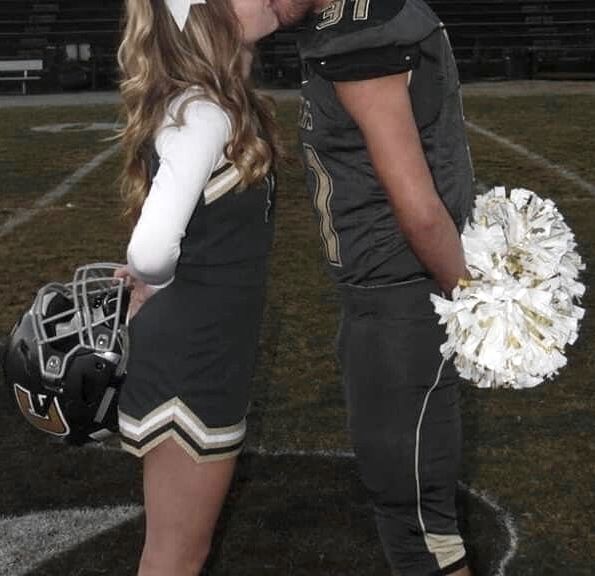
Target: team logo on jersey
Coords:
[(44, 413), (305, 115)]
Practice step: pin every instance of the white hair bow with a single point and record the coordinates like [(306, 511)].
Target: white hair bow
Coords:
[(180, 9)]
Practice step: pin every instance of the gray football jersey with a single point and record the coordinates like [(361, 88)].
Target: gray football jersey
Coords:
[(355, 40)]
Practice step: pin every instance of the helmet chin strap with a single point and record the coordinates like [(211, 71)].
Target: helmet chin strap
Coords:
[(125, 347), (104, 405), (89, 318)]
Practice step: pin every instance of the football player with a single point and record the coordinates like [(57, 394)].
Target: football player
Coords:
[(390, 174)]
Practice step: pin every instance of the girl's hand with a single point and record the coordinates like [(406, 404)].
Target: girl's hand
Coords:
[(140, 293), (125, 274)]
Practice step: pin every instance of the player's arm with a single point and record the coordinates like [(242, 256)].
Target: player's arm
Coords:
[(382, 109)]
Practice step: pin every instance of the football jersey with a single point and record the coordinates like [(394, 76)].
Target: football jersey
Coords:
[(356, 40)]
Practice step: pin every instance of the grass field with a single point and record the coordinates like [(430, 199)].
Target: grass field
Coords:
[(300, 511)]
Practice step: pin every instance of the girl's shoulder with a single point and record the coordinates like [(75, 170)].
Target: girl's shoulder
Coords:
[(198, 111)]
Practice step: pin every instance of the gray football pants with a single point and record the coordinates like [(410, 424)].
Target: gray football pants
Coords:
[(403, 403)]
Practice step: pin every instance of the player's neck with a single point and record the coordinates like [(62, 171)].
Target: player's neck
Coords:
[(247, 58)]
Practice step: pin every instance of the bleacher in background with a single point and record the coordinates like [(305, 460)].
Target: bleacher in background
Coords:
[(496, 39), (77, 40), (521, 38)]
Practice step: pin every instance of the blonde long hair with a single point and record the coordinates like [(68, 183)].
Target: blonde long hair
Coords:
[(158, 63)]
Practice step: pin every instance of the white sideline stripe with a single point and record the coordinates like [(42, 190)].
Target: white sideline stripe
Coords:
[(338, 454), (53, 195), (561, 171), (506, 520), (30, 540)]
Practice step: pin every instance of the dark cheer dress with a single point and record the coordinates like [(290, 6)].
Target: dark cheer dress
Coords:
[(193, 344)]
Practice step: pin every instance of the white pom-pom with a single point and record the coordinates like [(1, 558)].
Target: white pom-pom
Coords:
[(509, 325)]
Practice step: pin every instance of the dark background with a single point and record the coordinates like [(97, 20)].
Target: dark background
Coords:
[(492, 39)]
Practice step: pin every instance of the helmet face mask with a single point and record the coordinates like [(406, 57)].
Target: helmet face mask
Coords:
[(89, 317), (66, 357)]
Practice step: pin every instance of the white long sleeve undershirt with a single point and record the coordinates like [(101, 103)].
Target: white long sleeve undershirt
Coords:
[(188, 156)]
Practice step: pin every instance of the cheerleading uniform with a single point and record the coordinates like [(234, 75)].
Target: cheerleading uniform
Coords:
[(402, 397), (204, 245)]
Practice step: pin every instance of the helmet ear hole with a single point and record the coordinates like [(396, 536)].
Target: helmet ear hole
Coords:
[(24, 348), (56, 304), (27, 356)]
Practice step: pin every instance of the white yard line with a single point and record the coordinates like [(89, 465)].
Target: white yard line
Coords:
[(53, 195), (505, 518), (334, 454), (542, 162), (32, 539), (507, 522)]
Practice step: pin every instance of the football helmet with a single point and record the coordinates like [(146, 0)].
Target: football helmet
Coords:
[(66, 357)]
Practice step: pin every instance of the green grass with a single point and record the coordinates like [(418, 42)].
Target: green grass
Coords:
[(557, 127), (32, 163), (535, 449), (531, 450)]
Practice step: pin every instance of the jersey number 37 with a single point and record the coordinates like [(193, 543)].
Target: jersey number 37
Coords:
[(333, 14)]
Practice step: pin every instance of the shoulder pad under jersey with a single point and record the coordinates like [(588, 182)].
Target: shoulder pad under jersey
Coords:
[(351, 25)]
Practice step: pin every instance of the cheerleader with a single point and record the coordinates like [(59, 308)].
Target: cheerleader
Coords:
[(200, 149)]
